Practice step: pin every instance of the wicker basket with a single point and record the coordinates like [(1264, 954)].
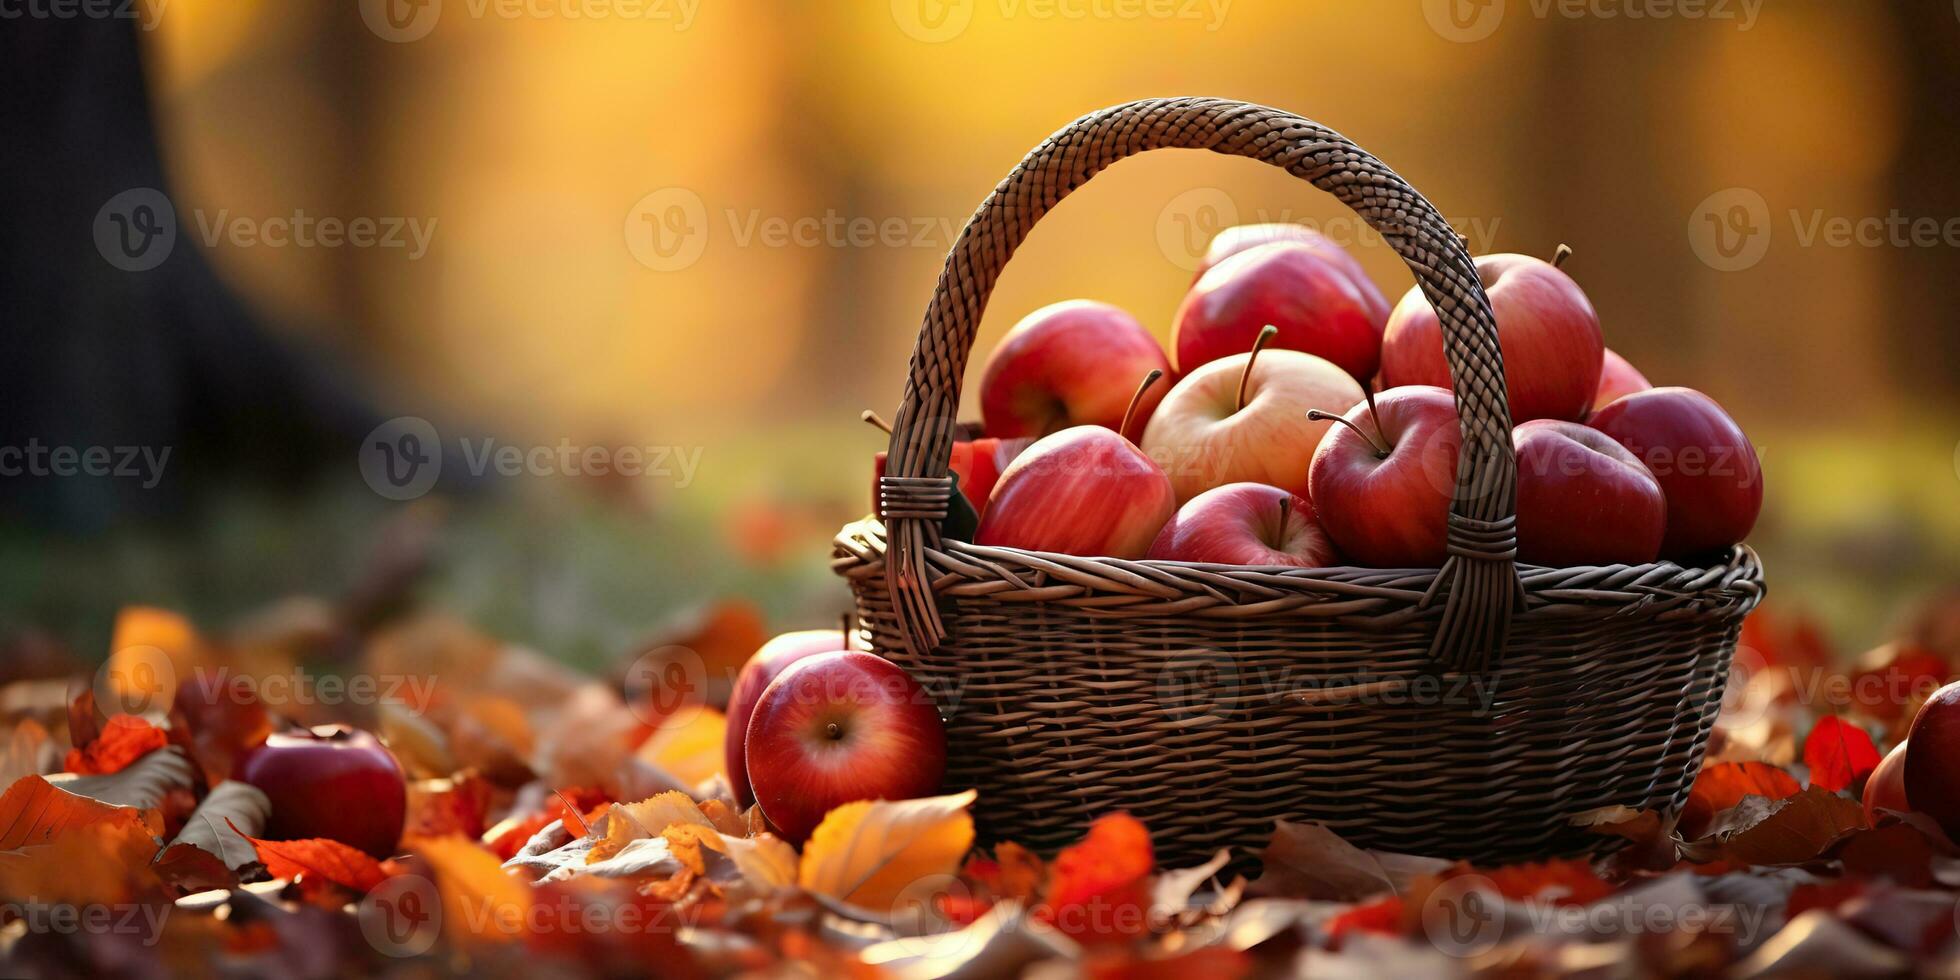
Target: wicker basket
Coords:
[(1467, 711)]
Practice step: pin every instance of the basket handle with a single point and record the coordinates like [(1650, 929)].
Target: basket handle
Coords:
[(1478, 582)]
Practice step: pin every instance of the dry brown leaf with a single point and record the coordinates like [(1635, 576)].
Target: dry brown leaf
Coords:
[(222, 825), (868, 853), (143, 784)]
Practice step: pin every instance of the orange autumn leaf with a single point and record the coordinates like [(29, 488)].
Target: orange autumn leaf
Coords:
[(318, 859), (125, 739), (34, 811), (479, 898), (874, 852), (1724, 784), (1838, 754), (1559, 882), (1099, 889), (97, 862)]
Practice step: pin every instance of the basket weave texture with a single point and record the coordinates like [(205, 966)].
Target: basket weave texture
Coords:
[(1468, 711)]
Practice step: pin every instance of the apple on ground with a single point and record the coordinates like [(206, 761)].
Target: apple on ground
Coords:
[(1382, 481), (1932, 767), (837, 728), (1245, 524), (1885, 788), (765, 665), (331, 781), (1086, 491), (1317, 306), (1243, 238), (1068, 364), (1243, 419), (1545, 325), (1705, 465), (1617, 379), (1583, 499)]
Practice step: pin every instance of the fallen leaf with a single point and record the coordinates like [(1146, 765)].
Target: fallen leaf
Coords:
[(146, 784), (87, 858), (1307, 860), (321, 859), (224, 823), (1895, 851), (688, 746), (1099, 888), (123, 740), (1723, 785), (479, 899), (34, 811), (1838, 754), (870, 852), (1797, 829)]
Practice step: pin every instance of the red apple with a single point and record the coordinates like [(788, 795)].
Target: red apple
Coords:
[(1932, 768), (1705, 465), (979, 464), (1382, 481), (764, 666), (1245, 524), (1885, 788), (1317, 306), (1072, 363), (1617, 378), (1243, 419), (331, 781), (1242, 238), (837, 728), (1545, 325), (1086, 491), (1583, 499)]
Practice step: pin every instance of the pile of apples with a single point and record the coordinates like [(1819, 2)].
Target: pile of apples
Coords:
[(1304, 422)]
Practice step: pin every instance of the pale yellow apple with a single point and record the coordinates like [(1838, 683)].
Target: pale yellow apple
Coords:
[(1203, 438)]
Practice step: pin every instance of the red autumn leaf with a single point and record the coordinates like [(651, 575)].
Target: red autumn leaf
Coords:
[(1383, 916), (590, 803), (318, 859), (1100, 888), (1794, 830), (125, 739), (1838, 754), (1209, 962), (1562, 882), (1724, 784), (460, 808), (189, 868), (1826, 895), (33, 811)]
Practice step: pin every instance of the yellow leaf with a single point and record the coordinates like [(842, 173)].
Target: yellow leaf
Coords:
[(765, 862), (480, 899), (867, 853), (689, 748), (628, 822)]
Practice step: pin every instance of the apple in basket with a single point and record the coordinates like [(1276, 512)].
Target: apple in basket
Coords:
[(1245, 524), (765, 665), (977, 462), (840, 727), (1382, 481), (1617, 379), (1317, 305), (1244, 419), (1243, 238), (1068, 364), (1706, 466), (1086, 491), (332, 781), (1583, 499), (1545, 325)]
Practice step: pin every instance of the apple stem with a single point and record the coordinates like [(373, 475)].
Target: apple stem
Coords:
[(1266, 334), (876, 422), (1285, 511), (833, 731), (1137, 399), (1381, 451), (1559, 255), (845, 624)]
